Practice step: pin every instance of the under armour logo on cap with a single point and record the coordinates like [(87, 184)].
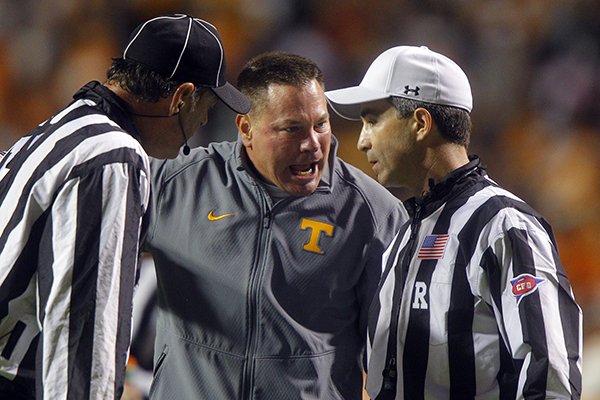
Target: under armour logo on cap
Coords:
[(407, 90)]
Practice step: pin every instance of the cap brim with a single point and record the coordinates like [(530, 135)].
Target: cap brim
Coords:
[(232, 98), (347, 102)]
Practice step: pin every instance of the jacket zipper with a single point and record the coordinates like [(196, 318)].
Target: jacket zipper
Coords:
[(253, 298), (390, 372)]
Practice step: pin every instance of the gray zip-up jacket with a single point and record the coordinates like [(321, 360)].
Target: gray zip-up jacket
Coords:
[(263, 300)]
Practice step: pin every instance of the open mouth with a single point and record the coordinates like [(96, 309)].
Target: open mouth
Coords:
[(304, 170)]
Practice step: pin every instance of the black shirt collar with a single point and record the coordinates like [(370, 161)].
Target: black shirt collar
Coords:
[(110, 104), (454, 183)]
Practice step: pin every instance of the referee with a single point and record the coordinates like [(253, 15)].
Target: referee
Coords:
[(73, 194), (473, 301)]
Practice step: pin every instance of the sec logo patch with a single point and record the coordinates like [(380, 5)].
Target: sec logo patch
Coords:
[(524, 285)]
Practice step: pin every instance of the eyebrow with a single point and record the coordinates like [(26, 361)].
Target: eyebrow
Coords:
[(298, 121), (368, 112)]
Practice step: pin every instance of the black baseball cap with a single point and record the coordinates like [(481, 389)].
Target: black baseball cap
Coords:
[(185, 49)]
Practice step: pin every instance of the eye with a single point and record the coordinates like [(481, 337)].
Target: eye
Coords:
[(290, 129), (322, 126), (369, 119)]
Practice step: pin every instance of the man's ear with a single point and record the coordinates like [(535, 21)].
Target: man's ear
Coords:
[(244, 126), (181, 97), (423, 123)]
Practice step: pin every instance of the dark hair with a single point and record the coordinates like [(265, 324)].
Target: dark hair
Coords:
[(453, 123), (143, 83), (276, 68)]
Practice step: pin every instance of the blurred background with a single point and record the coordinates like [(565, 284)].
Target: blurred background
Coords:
[(534, 67)]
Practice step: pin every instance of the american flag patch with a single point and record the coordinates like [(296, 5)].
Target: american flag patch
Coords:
[(433, 247)]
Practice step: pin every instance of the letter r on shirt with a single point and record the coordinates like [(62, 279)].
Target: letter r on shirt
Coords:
[(419, 301), (316, 228)]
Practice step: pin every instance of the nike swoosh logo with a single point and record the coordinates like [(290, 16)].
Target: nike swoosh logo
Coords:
[(212, 217)]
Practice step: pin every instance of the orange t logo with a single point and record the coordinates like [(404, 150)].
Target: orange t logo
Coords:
[(316, 228)]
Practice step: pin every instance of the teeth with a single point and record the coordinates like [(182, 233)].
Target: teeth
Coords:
[(306, 171)]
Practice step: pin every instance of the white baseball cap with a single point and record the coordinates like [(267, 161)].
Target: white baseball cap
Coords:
[(411, 72)]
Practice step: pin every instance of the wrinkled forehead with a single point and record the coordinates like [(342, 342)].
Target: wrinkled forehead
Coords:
[(281, 95)]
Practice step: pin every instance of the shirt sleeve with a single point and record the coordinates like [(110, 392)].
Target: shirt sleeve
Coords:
[(373, 268), (96, 225), (157, 168), (536, 311)]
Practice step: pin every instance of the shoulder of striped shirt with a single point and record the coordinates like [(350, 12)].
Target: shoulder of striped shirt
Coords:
[(120, 137)]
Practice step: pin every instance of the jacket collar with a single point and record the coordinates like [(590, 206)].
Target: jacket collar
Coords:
[(455, 183), (110, 104)]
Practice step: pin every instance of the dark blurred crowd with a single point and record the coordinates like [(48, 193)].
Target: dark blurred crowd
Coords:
[(534, 67)]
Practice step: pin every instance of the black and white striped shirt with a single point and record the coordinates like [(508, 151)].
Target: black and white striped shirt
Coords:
[(73, 193), (474, 301)]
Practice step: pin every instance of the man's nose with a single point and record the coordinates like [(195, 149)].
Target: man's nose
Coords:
[(311, 142), (363, 143)]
